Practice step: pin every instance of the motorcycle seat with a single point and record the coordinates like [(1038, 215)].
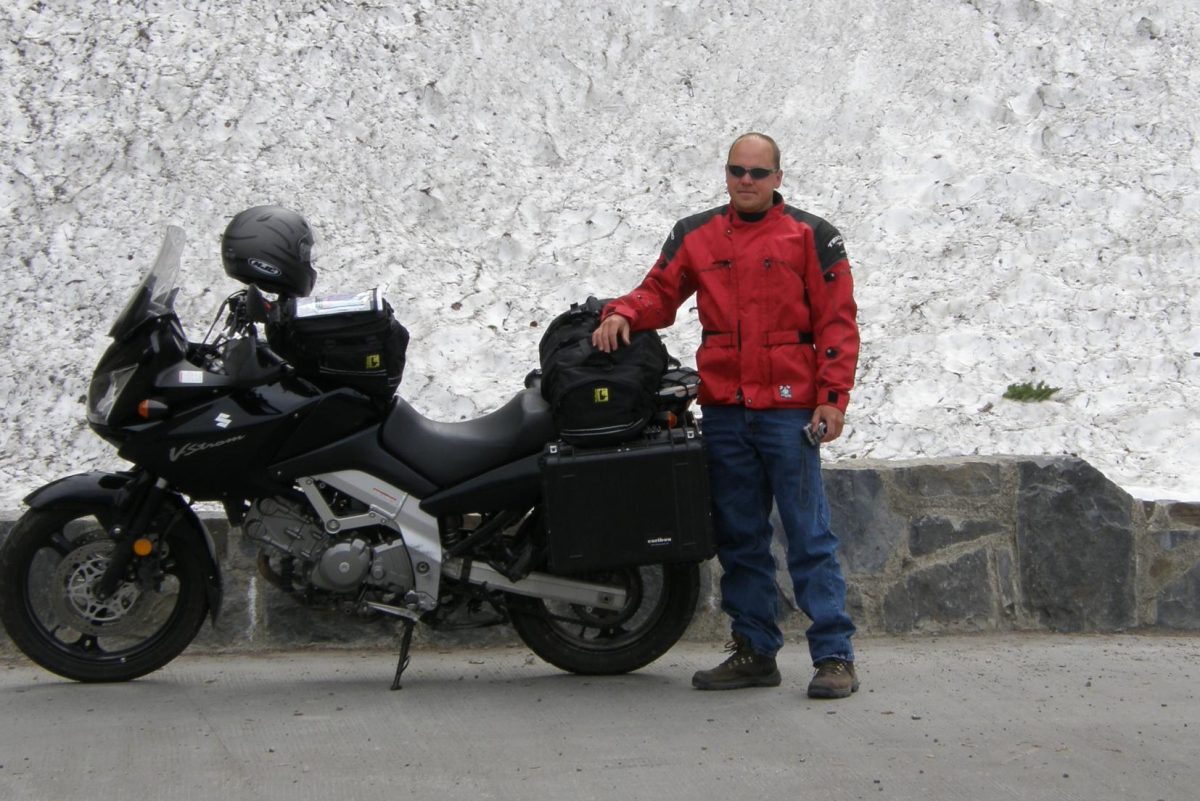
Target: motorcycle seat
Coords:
[(448, 453)]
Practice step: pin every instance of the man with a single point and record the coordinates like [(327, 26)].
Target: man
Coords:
[(778, 355)]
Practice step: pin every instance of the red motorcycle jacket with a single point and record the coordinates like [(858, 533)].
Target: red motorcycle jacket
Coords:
[(776, 302)]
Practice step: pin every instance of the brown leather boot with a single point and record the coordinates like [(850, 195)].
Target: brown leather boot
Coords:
[(745, 668), (835, 678)]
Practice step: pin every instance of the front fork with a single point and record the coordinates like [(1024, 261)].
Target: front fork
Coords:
[(148, 498)]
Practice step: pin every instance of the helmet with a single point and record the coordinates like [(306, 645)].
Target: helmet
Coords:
[(271, 248)]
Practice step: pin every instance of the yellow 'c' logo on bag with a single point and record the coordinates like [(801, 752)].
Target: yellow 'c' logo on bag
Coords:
[(600, 395), (374, 361)]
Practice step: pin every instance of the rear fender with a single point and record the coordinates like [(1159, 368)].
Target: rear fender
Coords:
[(111, 490)]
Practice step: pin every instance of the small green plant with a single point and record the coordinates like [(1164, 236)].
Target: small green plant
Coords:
[(1030, 392)]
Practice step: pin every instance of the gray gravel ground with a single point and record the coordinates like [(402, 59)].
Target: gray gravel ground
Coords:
[(973, 717)]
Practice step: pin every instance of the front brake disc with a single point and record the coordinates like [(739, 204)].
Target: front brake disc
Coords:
[(74, 593)]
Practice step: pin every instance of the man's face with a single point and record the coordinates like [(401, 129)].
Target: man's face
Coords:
[(746, 194)]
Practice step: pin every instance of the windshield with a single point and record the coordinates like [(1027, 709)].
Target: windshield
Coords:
[(155, 295)]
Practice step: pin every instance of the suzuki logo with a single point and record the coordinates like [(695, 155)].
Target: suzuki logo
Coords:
[(222, 420)]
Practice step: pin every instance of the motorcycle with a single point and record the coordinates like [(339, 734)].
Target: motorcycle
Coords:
[(356, 506)]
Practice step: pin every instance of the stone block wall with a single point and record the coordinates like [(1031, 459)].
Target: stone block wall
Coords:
[(992, 543), (936, 546)]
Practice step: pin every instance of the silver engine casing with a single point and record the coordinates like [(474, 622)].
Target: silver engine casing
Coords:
[(338, 563)]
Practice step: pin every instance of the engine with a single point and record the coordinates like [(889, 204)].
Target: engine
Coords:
[(338, 562)]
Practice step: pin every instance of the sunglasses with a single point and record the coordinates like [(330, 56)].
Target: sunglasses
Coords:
[(757, 173)]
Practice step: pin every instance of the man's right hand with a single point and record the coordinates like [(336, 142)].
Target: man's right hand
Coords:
[(611, 334)]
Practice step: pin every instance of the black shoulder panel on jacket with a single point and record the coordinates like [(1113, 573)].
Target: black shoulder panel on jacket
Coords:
[(831, 247), (682, 229)]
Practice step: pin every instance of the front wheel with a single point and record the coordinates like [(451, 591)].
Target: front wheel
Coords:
[(660, 602), (49, 567)]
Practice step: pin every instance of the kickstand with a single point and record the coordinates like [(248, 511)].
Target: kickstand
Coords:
[(405, 642)]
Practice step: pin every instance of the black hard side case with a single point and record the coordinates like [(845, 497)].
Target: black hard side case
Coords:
[(641, 502)]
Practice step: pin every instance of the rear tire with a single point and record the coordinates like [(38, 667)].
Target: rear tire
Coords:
[(661, 600), (48, 567)]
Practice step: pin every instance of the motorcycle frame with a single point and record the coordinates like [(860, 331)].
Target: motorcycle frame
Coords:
[(400, 512)]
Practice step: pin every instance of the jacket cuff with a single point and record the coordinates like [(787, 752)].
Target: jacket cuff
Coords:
[(616, 307), (831, 397)]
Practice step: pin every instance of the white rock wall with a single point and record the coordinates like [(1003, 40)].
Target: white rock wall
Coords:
[(1016, 181)]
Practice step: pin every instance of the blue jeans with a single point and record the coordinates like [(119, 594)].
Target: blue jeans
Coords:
[(754, 457)]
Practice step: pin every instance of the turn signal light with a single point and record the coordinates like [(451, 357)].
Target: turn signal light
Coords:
[(143, 546), (152, 409)]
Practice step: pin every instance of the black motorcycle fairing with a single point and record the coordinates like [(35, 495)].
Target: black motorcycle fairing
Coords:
[(335, 415), (512, 486), (361, 451), (219, 448), (450, 453), (96, 488), (127, 371)]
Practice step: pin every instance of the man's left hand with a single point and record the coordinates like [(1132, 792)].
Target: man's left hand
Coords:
[(834, 421)]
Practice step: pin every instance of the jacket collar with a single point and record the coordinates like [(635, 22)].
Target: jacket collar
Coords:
[(776, 209)]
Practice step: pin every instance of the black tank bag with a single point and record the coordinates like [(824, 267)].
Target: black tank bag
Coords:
[(599, 398), (350, 341)]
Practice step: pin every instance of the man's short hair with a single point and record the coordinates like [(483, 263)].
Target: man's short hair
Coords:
[(765, 138)]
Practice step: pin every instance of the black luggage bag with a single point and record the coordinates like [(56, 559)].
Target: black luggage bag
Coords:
[(599, 398), (339, 341), (642, 502)]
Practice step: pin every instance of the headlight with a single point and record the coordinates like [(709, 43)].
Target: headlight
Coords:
[(105, 390)]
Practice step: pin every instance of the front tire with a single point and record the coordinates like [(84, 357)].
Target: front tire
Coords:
[(48, 568), (661, 600)]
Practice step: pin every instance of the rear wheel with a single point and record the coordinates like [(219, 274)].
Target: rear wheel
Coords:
[(660, 602), (49, 567)]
